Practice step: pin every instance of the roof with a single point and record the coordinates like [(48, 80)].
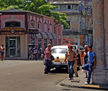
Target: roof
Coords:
[(14, 10), (69, 2), (21, 11)]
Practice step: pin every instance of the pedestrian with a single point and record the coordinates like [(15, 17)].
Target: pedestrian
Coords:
[(35, 53), (42, 53), (30, 54), (70, 58), (2, 49), (78, 58), (91, 64), (48, 61), (77, 63), (39, 53), (85, 59)]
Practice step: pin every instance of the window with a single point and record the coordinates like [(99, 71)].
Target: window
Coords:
[(12, 24), (38, 25), (68, 6), (32, 23), (51, 41), (59, 50)]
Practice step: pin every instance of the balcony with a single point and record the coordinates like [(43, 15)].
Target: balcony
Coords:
[(68, 11), (70, 32), (68, 2)]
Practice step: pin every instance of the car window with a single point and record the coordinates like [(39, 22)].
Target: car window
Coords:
[(74, 47), (59, 50), (81, 48)]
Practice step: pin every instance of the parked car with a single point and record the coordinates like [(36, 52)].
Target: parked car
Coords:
[(59, 52)]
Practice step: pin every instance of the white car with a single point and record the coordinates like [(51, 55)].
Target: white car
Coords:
[(59, 52)]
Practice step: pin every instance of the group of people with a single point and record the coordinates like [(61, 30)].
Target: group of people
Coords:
[(89, 61), (2, 49), (72, 57), (35, 53)]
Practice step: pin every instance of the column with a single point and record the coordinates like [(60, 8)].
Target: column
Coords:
[(98, 32), (99, 74), (106, 30)]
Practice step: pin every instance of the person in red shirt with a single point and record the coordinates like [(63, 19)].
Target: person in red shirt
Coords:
[(48, 61)]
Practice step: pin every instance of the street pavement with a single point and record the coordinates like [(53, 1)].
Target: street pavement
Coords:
[(22, 75)]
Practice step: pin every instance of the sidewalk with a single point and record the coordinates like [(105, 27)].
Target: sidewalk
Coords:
[(79, 82)]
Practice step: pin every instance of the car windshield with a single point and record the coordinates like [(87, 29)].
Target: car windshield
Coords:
[(59, 50), (74, 47)]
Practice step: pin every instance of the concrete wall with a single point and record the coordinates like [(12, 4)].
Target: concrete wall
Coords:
[(74, 22), (100, 35), (24, 47), (106, 30)]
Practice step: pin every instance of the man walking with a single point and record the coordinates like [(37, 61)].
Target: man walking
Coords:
[(48, 61), (91, 64)]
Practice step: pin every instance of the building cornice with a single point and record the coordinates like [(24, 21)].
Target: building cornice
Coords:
[(69, 2)]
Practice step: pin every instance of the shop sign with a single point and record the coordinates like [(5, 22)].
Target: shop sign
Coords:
[(11, 30), (33, 31)]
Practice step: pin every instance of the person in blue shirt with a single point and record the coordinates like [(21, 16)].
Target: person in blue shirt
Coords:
[(91, 63)]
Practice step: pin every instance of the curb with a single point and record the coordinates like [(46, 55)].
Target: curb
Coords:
[(97, 87), (72, 86)]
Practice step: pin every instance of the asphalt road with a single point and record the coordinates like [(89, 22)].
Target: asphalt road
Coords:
[(29, 76)]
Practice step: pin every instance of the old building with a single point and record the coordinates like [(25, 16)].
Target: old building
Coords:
[(20, 30), (71, 8), (100, 35), (87, 21), (79, 19)]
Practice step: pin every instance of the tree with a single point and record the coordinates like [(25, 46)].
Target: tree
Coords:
[(9, 4), (38, 6), (60, 17)]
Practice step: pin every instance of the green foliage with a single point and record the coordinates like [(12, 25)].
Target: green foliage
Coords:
[(38, 6), (60, 17), (9, 4), (46, 9)]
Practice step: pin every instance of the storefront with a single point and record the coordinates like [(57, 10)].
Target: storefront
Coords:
[(15, 40), (22, 30)]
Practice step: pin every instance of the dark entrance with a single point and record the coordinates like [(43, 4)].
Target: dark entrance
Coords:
[(12, 46)]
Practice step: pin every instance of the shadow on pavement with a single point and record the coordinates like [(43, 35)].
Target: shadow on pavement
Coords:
[(59, 70)]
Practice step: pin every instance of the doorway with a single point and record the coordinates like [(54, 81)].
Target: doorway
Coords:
[(12, 46)]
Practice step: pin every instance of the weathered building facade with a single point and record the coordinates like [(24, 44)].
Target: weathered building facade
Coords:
[(71, 9), (21, 29), (87, 21), (100, 35), (79, 19)]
